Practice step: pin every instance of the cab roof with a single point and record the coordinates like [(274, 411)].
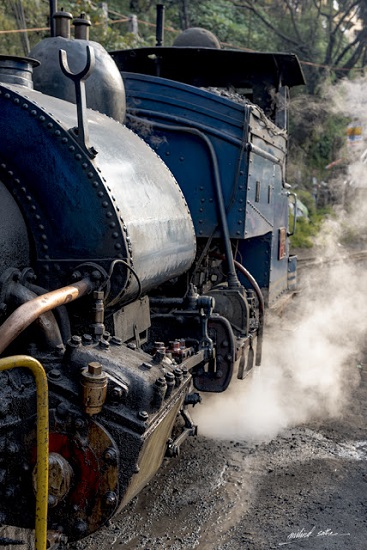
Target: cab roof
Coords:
[(212, 67)]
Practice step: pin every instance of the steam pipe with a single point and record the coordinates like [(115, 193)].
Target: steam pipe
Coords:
[(19, 295), (60, 313), (81, 25), (62, 23), (251, 279), (27, 313), (260, 297)]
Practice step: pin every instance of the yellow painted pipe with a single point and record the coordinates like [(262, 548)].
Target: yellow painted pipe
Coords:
[(42, 441)]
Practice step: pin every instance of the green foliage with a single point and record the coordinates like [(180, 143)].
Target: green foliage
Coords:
[(223, 19), (9, 43), (331, 138), (306, 230), (310, 29), (36, 13), (302, 237), (317, 137), (308, 200)]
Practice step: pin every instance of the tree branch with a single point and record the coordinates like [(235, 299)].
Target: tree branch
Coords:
[(251, 7)]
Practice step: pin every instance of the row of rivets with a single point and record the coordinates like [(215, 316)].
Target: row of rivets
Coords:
[(28, 199), (78, 157)]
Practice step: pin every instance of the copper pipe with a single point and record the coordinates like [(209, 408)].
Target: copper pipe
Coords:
[(17, 295), (25, 314)]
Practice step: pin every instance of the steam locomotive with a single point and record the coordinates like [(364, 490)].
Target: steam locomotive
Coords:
[(144, 230)]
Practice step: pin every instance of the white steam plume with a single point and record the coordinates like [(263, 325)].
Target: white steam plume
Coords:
[(307, 371)]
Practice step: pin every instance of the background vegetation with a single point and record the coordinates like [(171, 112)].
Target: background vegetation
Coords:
[(329, 37)]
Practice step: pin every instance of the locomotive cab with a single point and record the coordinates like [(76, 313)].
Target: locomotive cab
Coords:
[(222, 129)]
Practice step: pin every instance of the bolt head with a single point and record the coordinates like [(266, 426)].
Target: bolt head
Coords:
[(110, 498), (75, 340), (110, 456), (95, 368), (143, 415)]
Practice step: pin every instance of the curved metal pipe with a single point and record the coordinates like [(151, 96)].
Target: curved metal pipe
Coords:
[(18, 295), (60, 313), (260, 297), (179, 121), (22, 317), (42, 441)]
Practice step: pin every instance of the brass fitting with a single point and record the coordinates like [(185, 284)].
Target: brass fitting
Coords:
[(94, 383)]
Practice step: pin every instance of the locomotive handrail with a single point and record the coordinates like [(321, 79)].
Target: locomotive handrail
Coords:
[(290, 233), (176, 120), (258, 151), (42, 441)]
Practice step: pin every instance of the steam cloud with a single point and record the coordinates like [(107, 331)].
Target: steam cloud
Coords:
[(310, 356)]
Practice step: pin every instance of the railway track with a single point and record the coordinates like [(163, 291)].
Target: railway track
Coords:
[(318, 260)]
